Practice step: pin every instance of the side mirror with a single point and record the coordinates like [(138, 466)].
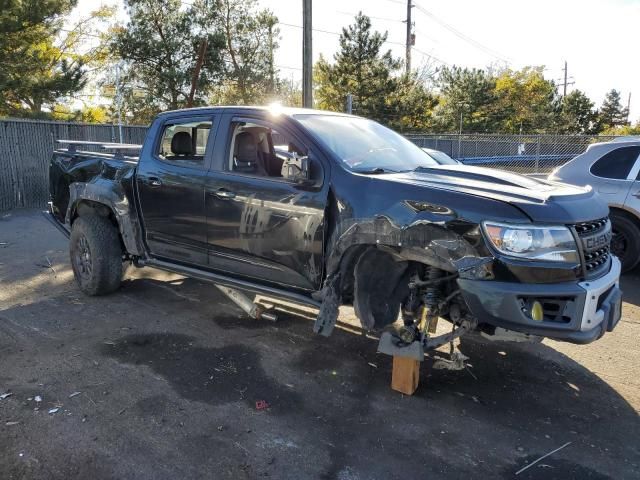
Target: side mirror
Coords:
[(298, 170)]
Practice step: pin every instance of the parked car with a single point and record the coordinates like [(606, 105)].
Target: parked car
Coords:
[(440, 157), (613, 170), (353, 214)]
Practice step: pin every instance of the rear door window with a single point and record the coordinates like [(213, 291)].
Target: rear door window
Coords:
[(184, 141), (616, 164)]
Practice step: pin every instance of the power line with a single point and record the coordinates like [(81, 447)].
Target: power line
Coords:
[(425, 54), (462, 36), (351, 14), (333, 33), (329, 32)]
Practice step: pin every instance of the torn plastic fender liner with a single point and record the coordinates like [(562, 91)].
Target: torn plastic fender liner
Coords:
[(107, 193), (421, 241), (376, 303)]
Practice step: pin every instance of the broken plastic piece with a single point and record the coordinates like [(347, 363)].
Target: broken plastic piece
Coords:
[(38, 398), (455, 363), (5, 395), (74, 394), (53, 410)]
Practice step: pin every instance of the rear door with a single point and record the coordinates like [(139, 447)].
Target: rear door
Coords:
[(633, 198), (259, 224), (171, 180), (614, 174)]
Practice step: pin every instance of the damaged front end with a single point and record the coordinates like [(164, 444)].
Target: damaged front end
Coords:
[(385, 269)]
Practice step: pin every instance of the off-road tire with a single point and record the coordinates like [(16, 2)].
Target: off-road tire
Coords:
[(627, 232), (96, 255)]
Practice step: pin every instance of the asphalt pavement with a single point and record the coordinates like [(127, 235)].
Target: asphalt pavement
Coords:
[(167, 379)]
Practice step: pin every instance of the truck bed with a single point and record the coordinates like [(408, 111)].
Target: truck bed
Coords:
[(70, 165)]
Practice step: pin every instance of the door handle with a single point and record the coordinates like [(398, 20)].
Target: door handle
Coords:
[(154, 182), (223, 194)]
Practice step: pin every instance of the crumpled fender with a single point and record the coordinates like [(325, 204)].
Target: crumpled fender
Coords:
[(424, 233), (111, 195)]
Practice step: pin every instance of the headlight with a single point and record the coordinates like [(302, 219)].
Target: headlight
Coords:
[(553, 244)]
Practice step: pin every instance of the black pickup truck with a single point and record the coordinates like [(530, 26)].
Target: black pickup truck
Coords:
[(327, 209)]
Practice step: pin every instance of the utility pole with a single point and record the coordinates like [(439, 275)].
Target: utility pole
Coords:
[(628, 106), (307, 56), (349, 106), (566, 81), (410, 38)]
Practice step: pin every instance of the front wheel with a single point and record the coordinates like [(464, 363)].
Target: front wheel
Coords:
[(625, 241), (96, 255)]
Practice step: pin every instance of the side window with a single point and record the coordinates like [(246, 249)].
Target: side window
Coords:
[(616, 164), (261, 150), (184, 141)]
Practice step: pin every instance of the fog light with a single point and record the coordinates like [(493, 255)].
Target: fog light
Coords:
[(537, 313)]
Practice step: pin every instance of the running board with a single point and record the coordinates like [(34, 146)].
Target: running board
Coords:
[(54, 221), (231, 282)]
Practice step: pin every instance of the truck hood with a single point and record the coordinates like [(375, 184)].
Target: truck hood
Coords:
[(541, 200)]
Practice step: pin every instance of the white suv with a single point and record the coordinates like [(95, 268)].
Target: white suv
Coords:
[(613, 170)]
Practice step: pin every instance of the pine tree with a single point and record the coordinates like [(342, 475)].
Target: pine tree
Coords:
[(380, 91), (35, 67), (612, 113)]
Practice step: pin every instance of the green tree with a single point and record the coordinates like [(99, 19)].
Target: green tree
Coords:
[(467, 95), (250, 40), (577, 115), (361, 68), (161, 46), (39, 61), (612, 113), (525, 101)]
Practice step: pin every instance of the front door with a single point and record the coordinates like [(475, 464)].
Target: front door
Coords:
[(260, 225), (171, 182)]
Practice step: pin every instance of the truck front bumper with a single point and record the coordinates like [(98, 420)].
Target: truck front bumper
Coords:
[(579, 312)]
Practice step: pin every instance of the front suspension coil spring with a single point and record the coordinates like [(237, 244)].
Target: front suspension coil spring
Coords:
[(432, 292)]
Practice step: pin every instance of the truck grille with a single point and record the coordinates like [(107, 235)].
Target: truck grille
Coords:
[(595, 239)]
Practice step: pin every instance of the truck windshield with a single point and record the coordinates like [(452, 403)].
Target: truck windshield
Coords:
[(364, 145)]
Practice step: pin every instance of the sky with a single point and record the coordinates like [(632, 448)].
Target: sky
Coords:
[(597, 38)]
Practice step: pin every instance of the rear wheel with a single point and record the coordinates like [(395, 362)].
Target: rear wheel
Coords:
[(625, 241), (96, 255)]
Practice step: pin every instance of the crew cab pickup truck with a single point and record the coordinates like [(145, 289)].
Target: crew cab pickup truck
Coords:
[(327, 209)]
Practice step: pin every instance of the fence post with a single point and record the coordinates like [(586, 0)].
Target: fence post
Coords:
[(538, 155)]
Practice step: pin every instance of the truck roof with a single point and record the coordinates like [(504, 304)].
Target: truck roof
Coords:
[(289, 111)]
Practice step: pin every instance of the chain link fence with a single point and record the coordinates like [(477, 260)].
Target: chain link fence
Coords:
[(25, 150), (527, 154), (26, 147)]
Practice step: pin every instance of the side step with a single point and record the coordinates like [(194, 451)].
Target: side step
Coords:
[(54, 221), (222, 280)]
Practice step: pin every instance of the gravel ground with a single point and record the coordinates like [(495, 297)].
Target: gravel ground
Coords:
[(171, 376)]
